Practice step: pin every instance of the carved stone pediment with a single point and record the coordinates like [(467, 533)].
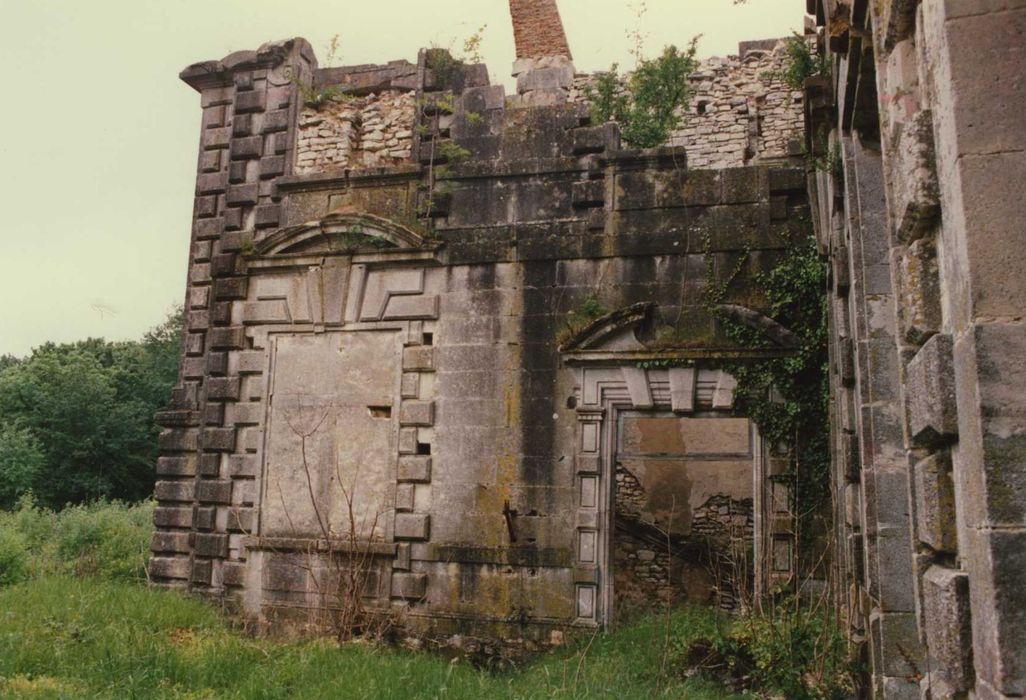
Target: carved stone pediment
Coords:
[(340, 233)]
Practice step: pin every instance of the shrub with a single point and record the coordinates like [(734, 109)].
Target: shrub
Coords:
[(106, 540), (649, 104), (791, 652), (14, 557), (109, 540)]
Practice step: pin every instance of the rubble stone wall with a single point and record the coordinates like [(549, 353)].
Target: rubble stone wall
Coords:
[(741, 111), (356, 132)]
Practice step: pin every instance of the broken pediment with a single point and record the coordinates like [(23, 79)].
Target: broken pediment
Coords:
[(340, 233), (616, 331)]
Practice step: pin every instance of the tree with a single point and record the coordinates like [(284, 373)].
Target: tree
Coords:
[(650, 103), (21, 462), (88, 409)]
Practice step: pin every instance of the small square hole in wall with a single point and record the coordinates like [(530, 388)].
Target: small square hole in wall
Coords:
[(380, 411), (423, 448), (429, 339), (702, 107)]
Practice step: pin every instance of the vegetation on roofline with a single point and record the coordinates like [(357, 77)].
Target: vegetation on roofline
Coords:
[(801, 63), (649, 103)]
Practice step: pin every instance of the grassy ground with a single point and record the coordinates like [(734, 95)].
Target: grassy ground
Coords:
[(63, 637)]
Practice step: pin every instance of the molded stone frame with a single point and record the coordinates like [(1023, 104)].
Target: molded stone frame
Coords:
[(604, 392), (344, 274)]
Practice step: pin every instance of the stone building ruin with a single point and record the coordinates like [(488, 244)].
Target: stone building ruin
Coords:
[(465, 335)]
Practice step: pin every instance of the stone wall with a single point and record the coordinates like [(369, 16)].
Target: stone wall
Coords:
[(356, 132), (924, 236), (407, 338), (741, 111)]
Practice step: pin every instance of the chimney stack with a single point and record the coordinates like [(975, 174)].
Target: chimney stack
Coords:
[(538, 29)]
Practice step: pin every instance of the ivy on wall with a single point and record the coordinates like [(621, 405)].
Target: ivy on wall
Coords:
[(787, 397)]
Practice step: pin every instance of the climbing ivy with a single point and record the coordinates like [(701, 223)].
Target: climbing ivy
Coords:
[(787, 397)]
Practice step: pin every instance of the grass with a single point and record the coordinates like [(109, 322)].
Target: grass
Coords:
[(65, 637)]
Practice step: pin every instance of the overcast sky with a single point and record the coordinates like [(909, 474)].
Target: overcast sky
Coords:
[(98, 136)]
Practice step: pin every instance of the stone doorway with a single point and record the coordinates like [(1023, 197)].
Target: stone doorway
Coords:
[(682, 509)]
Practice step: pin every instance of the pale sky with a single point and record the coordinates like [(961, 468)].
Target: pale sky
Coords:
[(98, 137)]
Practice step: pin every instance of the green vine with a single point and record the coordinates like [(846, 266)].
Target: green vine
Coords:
[(787, 397)]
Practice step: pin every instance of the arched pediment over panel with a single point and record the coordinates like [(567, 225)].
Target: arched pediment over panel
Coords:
[(340, 233)]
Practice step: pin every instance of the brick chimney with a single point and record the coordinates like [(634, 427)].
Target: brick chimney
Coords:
[(538, 29)]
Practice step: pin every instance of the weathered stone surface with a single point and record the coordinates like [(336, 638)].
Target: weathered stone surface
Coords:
[(930, 393), (948, 626), (409, 586), (415, 469), (935, 503), (412, 526)]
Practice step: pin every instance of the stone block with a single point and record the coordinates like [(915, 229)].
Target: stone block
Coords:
[(219, 439), (405, 498), (170, 542), (247, 148), (231, 288), (211, 544), (604, 138), (420, 413), (173, 517), (169, 568), (552, 78), (210, 162), (930, 393), (214, 491), (273, 166), (206, 518), (935, 503), (409, 586), (233, 338), (251, 101), (590, 193), (243, 465), (237, 171), (948, 625), (996, 561), (210, 465), (412, 526), (216, 138), (242, 125), (178, 440), (897, 640), (202, 572), (182, 491), (275, 120), (251, 362), (177, 466), (415, 468), (418, 358), (239, 195), (233, 573), (915, 188), (267, 216), (224, 388), (919, 304)]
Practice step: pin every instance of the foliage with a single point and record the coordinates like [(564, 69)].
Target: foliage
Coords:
[(21, 462), (578, 319), (76, 420), (472, 46), (102, 539), (90, 638), (802, 63), (14, 557), (795, 652), (787, 397), (649, 103)]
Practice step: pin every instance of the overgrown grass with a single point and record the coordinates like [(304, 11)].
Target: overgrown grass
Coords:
[(62, 637), (108, 540)]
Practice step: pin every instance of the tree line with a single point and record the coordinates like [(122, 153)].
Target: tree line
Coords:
[(77, 419)]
